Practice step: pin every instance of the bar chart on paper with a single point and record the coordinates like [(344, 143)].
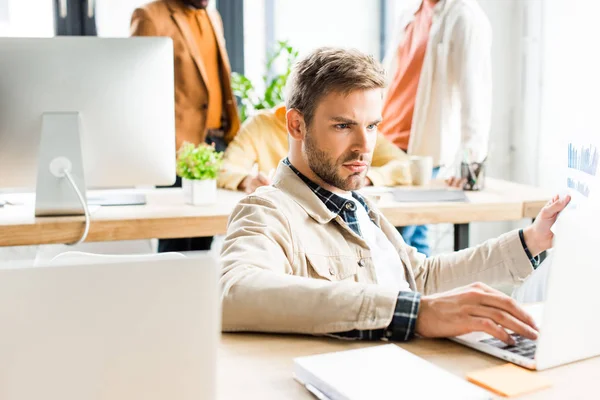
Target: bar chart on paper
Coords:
[(582, 169), (583, 158)]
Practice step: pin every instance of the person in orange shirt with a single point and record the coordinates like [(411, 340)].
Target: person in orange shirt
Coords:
[(438, 102), (205, 108)]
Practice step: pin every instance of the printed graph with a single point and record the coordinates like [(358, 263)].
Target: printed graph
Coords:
[(583, 158), (578, 186)]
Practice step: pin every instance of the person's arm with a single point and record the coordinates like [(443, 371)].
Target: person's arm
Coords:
[(239, 157), (495, 261), (470, 59), (141, 24), (390, 165), (261, 293), (508, 258)]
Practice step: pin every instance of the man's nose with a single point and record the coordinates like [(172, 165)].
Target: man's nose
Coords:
[(365, 141)]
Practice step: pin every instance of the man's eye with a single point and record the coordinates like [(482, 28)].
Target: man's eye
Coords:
[(342, 126), (372, 126)]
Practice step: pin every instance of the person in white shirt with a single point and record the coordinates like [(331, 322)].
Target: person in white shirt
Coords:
[(438, 101)]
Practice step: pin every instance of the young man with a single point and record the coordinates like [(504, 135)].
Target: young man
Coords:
[(263, 140), (205, 108), (439, 99), (310, 255)]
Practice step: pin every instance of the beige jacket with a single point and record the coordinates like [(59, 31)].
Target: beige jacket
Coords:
[(291, 265)]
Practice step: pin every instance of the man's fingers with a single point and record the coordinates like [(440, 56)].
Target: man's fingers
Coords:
[(557, 205), (456, 182), (505, 320), (453, 181), (479, 324), (505, 303)]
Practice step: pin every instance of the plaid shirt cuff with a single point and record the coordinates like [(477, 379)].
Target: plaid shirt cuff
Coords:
[(402, 327), (535, 261)]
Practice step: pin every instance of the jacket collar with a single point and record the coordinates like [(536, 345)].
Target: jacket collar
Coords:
[(287, 181), (178, 13), (320, 204)]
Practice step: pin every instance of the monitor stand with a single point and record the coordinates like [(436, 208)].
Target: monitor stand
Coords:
[(117, 199), (60, 150)]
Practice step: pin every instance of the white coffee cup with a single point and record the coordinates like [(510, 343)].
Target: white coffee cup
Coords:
[(421, 169)]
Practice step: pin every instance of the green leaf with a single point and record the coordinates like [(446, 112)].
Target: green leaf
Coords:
[(201, 162), (274, 83)]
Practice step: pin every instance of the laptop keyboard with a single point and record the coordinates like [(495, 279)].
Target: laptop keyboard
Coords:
[(523, 346)]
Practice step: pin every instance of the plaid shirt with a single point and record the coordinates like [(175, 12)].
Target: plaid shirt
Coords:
[(403, 322)]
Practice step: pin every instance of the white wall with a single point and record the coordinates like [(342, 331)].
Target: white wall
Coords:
[(570, 77), (504, 17)]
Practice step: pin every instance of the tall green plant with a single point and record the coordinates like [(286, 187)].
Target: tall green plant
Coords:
[(245, 89)]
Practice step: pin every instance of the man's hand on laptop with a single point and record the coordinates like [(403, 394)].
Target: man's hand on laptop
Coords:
[(473, 308), (538, 235)]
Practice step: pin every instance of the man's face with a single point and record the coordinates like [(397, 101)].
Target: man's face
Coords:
[(340, 140), (197, 3)]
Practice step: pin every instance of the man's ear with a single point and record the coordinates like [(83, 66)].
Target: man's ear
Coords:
[(295, 124)]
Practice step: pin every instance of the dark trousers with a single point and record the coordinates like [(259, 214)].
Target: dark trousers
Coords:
[(195, 243)]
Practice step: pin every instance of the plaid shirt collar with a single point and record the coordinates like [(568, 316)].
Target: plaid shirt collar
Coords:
[(339, 205)]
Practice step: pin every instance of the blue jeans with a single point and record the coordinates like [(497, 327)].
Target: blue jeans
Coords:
[(416, 235)]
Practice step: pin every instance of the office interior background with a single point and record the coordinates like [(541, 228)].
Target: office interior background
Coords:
[(541, 60)]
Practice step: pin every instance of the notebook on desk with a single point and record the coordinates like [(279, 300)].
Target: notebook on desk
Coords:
[(429, 195), (380, 372)]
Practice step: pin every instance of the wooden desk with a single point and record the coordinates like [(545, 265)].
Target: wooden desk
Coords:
[(167, 216), (253, 366)]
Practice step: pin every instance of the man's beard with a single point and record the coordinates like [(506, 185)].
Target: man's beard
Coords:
[(327, 169)]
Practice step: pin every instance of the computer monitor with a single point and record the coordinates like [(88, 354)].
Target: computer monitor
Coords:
[(79, 112)]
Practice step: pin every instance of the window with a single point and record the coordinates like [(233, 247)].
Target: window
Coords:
[(113, 17), (33, 18), (307, 25), (342, 23)]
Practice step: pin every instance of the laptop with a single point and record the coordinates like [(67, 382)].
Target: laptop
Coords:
[(568, 320), (135, 329)]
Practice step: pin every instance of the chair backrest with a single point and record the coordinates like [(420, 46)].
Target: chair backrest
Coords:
[(78, 257)]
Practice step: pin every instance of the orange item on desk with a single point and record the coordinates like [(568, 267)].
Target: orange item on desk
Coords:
[(509, 380)]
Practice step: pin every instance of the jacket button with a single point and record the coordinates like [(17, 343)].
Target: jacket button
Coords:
[(361, 263), (350, 206), (331, 271)]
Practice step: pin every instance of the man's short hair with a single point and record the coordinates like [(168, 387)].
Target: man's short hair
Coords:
[(327, 70)]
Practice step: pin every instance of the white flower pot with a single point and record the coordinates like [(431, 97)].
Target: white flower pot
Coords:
[(200, 192)]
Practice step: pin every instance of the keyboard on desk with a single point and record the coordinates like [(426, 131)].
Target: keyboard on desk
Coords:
[(523, 346)]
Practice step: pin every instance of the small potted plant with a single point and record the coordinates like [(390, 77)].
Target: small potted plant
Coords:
[(198, 168)]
